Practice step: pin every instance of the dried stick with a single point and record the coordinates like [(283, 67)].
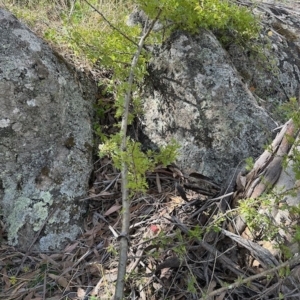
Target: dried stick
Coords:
[(110, 24), (224, 260), (240, 282)]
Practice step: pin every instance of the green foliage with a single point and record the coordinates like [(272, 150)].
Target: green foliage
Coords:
[(295, 159), (191, 15), (259, 221), (296, 237), (291, 111), (284, 272), (94, 298), (112, 250), (263, 222), (13, 280), (217, 222), (191, 284), (166, 155), (197, 232), (249, 163), (138, 162), (179, 244)]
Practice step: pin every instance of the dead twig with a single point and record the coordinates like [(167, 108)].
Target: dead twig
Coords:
[(110, 24), (263, 255), (228, 263), (249, 279)]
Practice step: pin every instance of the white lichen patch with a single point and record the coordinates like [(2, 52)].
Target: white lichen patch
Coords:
[(4, 123), (55, 241), (62, 81), (29, 86), (40, 210), (63, 217), (17, 127), (26, 36), (25, 210), (31, 102), (16, 218), (182, 45)]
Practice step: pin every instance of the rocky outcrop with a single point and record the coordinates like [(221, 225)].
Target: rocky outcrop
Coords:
[(196, 96), (271, 69), (220, 101), (45, 140)]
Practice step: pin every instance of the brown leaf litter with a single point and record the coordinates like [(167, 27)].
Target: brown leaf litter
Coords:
[(175, 251)]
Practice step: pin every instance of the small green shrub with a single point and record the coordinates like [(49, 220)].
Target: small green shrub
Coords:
[(138, 161), (191, 15)]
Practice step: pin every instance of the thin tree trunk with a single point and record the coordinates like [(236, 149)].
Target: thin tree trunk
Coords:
[(124, 237)]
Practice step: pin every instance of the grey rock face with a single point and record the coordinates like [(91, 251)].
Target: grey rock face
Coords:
[(138, 17), (45, 140), (273, 74), (195, 96)]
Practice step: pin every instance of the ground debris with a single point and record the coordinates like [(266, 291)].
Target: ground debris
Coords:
[(176, 249)]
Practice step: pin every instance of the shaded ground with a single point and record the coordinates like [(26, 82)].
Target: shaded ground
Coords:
[(89, 265), (176, 250)]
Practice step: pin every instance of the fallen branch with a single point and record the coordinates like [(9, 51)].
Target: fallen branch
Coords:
[(263, 255), (247, 280), (224, 260)]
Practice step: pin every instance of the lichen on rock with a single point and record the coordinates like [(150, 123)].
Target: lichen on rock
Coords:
[(45, 125), (195, 96)]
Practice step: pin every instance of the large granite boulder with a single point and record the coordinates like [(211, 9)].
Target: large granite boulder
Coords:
[(220, 101), (272, 71), (45, 140), (196, 96)]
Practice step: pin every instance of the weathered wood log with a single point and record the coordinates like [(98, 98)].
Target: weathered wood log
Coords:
[(268, 174), (268, 166)]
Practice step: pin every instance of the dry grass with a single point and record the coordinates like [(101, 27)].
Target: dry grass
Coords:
[(57, 20)]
